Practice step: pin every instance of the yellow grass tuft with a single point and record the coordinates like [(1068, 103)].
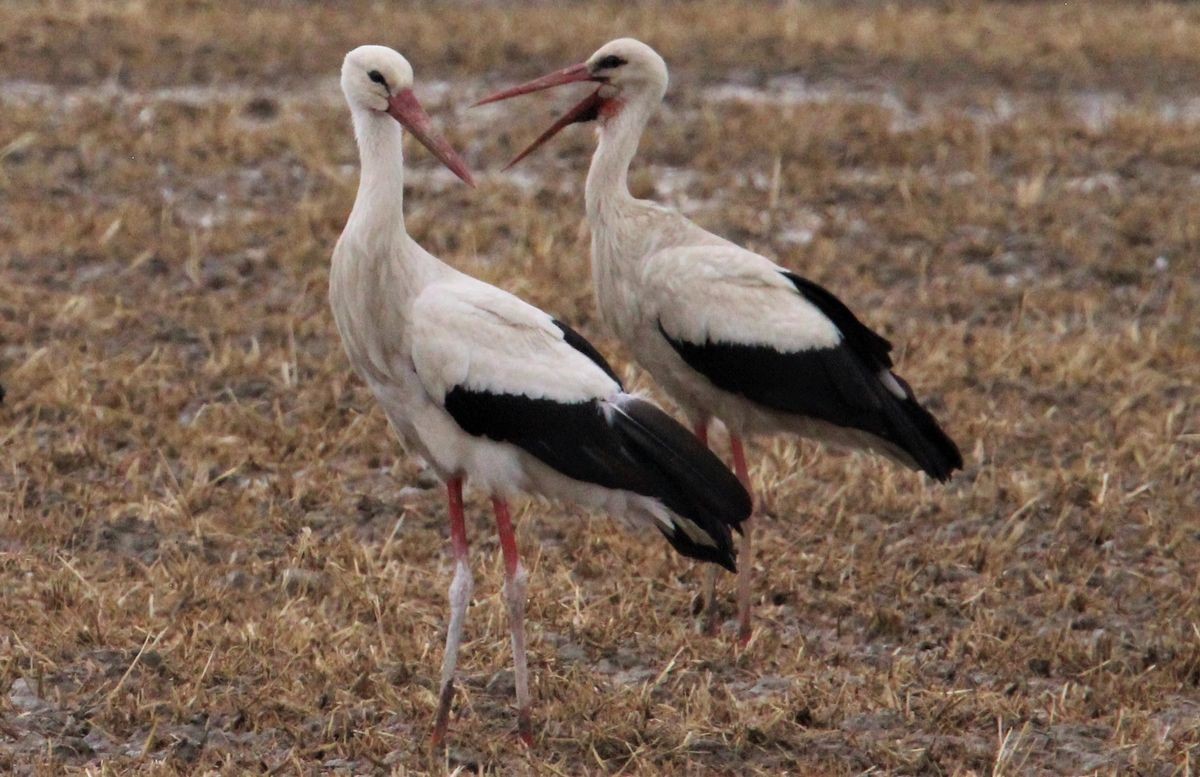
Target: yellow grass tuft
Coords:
[(213, 555)]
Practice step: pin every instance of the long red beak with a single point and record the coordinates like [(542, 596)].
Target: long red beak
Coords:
[(568, 75), (404, 108), (587, 110)]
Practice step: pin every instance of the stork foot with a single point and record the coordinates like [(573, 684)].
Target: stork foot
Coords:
[(744, 635), (525, 727), (442, 719)]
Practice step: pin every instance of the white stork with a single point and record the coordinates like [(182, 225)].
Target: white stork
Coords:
[(728, 333), (492, 390)]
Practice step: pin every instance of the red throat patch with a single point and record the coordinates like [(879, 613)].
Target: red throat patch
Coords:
[(610, 108)]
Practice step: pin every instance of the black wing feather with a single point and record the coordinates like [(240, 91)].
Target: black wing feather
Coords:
[(705, 484), (633, 446), (862, 339), (841, 385), (580, 343)]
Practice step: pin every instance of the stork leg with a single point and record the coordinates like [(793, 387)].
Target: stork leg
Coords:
[(460, 597), (746, 552), (514, 596), (712, 613)]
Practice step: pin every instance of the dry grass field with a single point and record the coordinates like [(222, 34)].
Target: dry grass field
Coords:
[(215, 558)]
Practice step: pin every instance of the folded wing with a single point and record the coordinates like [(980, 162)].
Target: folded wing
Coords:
[(791, 346), (506, 371)]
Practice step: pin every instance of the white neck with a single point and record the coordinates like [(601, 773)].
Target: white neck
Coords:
[(379, 204), (377, 245), (607, 181)]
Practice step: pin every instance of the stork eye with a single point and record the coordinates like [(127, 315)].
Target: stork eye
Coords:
[(611, 61), (377, 77)]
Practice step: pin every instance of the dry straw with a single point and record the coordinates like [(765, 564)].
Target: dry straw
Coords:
[(214, 557)]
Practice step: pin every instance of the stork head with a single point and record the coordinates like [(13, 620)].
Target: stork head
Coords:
[(378, 81), (626, 70), (627, 66)]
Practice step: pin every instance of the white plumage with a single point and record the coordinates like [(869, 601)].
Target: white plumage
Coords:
[(469, 333), (491, 390), (729, 333)]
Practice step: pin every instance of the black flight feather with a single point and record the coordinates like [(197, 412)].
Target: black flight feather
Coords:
[(862, 339), (626, 444), (842, 385), (580, 343)]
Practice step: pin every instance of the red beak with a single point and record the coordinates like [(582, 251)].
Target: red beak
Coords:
[(587, 110), (404, 108)]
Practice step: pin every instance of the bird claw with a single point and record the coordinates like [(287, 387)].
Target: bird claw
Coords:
[(525, 728), (440, 721), (744, 635)]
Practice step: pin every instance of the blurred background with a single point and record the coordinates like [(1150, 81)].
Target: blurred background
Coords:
[(214, 555)]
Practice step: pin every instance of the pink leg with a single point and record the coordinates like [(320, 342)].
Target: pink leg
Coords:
[(712, 613), (746, 554), (460, 597), (514, 596)]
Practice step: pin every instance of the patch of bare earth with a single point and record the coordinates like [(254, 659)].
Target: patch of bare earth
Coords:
[(214, 557)]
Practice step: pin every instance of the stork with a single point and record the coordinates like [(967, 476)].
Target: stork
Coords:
[(728, 333), (493, 391)]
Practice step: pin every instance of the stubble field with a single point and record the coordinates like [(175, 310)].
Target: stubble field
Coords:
[(214, 556)]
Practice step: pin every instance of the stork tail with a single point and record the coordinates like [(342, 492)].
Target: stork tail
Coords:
[(706, 499)]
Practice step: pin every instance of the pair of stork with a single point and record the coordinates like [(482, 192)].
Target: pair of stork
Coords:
[(491, 390)]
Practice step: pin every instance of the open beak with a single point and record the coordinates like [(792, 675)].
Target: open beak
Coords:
[(404, 108), (587, 110)]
